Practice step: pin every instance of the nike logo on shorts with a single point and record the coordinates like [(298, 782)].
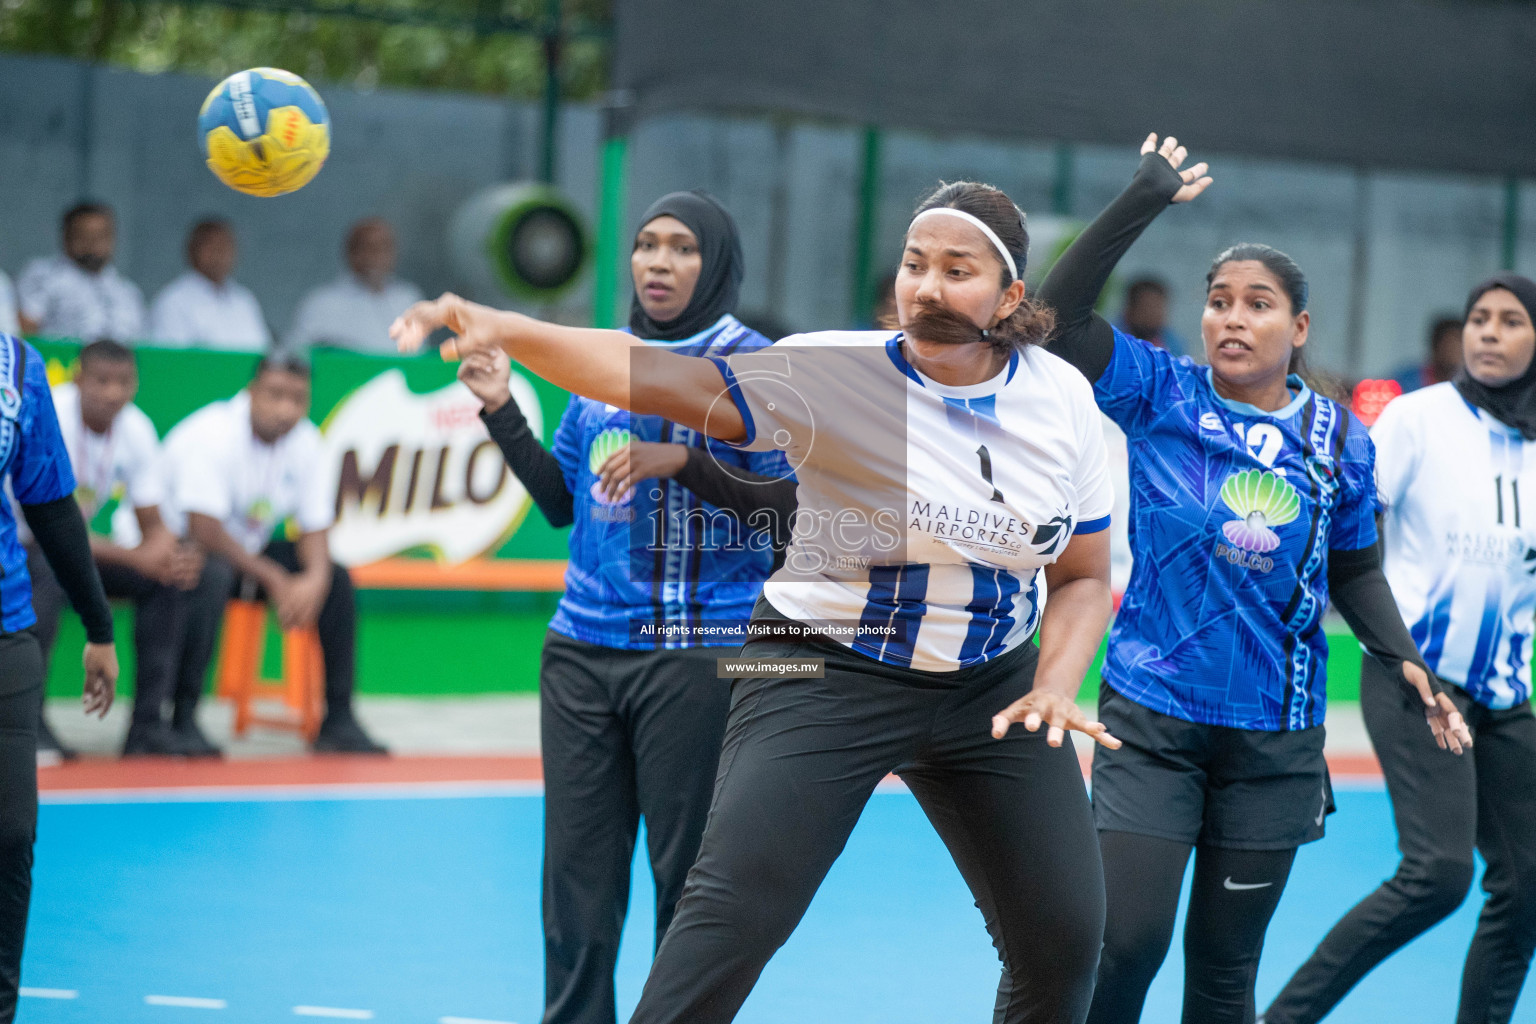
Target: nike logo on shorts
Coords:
[(1241, 886)]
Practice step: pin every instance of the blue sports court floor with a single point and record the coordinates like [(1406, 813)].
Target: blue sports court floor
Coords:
[(426, 909)]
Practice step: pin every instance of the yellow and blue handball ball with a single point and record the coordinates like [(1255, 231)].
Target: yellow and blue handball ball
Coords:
[(264, 131)]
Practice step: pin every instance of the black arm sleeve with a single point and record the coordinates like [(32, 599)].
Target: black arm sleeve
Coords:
[(1082, 337), (531, 463), (60, 531), (1360, 592), (756, 500)]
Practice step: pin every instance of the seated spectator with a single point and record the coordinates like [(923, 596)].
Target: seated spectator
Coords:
[(205, 306), (80, 294), (1444, 357), (115, 454), (9, 324), (1145, 315), (237, 469), (355, 310)]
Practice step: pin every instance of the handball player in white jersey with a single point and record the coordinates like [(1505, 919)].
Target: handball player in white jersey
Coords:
[(942, 469), (1456, 468)]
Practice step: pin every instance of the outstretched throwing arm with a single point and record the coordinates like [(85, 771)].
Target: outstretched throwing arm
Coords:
[(605, 366)]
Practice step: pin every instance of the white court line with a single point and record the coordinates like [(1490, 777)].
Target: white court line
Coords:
[(352, 791), (471, 1020), (1340, 780), (332, 1011), (191, 1002), (49, 993)]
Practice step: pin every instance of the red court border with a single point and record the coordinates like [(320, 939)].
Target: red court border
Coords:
[(332, 772)]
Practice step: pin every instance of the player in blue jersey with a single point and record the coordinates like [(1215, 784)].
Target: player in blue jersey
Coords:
[(1252, 503), (33, 456), (659, 583), (1459, 552), (941, 470)]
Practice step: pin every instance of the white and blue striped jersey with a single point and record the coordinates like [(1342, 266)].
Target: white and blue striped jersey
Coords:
[(925, 511), (1460, 532)]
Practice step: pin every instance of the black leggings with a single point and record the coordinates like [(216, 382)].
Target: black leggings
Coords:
[(21, 681), (800, 760), (1443, 805), (626, 735), (1235, 893)]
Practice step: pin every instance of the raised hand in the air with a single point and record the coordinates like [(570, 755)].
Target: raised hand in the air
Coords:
[(1196, 180)]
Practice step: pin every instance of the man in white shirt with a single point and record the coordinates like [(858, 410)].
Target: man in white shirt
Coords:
[(115, 454), (237, 469), (205, 306), (355, 310), (80, 294)]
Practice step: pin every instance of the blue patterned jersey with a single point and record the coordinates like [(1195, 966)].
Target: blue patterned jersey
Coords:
[(1233, 513), (661, 569), (33, 455)]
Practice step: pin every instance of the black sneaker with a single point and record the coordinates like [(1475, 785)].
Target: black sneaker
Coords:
[(341, 734), (193, 742), (153, 739), (49, 749)]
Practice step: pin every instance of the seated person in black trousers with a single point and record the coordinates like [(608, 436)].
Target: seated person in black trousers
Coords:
[(115, 453), (236, 469)]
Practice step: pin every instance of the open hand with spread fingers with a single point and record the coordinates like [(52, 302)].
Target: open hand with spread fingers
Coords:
[(1054, 710), (1196, 180)]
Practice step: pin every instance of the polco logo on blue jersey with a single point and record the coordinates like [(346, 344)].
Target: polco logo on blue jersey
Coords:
[(604, 446), (1262, 501)]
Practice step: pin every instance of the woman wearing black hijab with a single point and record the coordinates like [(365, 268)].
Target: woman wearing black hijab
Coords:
[(1460, 554), (659, 581)]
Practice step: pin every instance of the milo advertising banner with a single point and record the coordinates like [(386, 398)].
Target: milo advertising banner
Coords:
[(417, 473), (423, 497)]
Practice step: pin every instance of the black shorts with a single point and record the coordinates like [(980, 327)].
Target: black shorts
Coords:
[(1242, 789)]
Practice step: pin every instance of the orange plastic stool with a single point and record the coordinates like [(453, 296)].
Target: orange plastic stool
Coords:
[(301, 690)]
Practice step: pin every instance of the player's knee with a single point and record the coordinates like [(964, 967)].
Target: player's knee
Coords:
[(1221, 955), (1135, 943), (760, 913), (1077, 934), (1077, 954), (1436, 886)]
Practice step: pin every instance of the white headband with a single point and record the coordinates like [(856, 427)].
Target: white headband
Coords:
[(997, 243)]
